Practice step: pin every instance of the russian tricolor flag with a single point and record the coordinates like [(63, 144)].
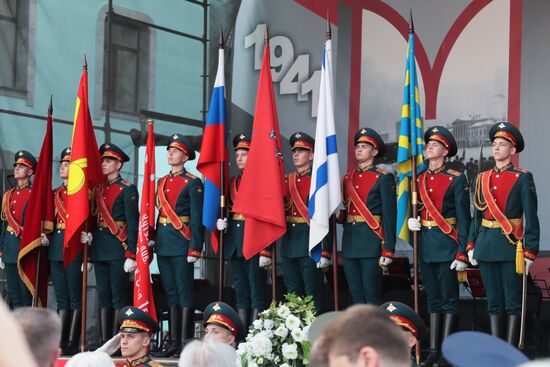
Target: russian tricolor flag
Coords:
[(213, 156)]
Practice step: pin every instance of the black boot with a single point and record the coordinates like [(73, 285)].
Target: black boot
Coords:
[(497, 325), (174, 329), (74, 335), (449, 327), (435, 339), (116, 326), (65, 317), (187, 327), (512, 333), (243, 314), (255, 315), (105, 324)]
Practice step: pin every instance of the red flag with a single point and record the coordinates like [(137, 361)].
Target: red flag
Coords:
[(143, 292), (261, 195), (84, 172), (32, 261)]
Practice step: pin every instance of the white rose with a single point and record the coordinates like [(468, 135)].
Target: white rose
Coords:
[(306, 330), (292, 322), (298, 335), (258, 324), (269, 324), (281, 331), (261, 345), (290, 351), (283, 311), (284, 365)]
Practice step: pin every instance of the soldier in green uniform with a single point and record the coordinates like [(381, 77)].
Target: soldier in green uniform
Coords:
[(369, 218), (113, 244), (135, 330), (223, 324), (250, 278), (302, 275), (444, 223), (505, 232), (67, 282), (179, 240), (14, 203), (413, 327)]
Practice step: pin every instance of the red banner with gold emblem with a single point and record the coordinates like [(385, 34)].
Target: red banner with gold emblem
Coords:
[(84, 172)]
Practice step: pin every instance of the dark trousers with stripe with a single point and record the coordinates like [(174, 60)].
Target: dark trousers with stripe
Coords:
[(441, 286), (250, 281), (502, 286), (302, 277), (177, 278), (67, 284), (364, 278), (19, 294), (113, 286)]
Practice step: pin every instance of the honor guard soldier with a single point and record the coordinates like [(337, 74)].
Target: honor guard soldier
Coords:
[(501, 241), (135, 330), (413, 327), (369, 217), (14, 203), (113, 245), (223, 324), (67, 282), (250, 278), (301, 274), (179, 240), (444, 223)]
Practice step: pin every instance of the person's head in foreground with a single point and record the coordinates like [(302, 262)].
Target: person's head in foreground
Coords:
[(222, 323), (207, 353), (42, 329), (475, 349), (364, 336), (136, 328), (90, 359)]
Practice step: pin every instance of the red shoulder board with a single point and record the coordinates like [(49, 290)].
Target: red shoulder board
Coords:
[(190, 175)]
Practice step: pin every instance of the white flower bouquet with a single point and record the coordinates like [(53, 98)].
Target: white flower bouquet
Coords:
[(279, 336)]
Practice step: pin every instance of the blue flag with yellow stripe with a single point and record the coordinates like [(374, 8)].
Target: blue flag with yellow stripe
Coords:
[(410, 142)]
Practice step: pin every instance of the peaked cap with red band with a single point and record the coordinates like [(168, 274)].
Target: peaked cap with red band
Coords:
[(370, 136), (133, 320), (220, 313), (301, 140), (182, 143), (405, 317), (444, 136), (507, 131), (109, 150), (26, 158), (241, 141)]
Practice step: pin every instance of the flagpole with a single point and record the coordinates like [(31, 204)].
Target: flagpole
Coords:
[(273, 273), (335, 264), (414, 197), (222, 212), (84, 269)]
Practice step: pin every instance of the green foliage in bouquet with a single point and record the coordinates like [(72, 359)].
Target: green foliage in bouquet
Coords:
[(279, 336)]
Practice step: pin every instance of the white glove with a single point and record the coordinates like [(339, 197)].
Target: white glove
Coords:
[(414, 224), (324, 263), (129, 265), (44, 241), (265, 261), (2, 266), (111, 346), (528, 264), (89, 267), (471, 258), (459, 265), (86, 237), (221, 224), (384, 261), (151, 243), (192, 259)]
